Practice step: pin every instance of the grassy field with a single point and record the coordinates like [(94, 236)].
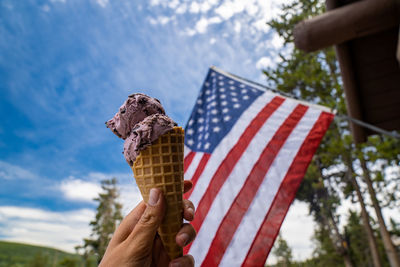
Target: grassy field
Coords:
[(21, 255)]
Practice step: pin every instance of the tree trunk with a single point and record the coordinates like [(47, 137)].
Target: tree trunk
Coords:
[(387, 241), (340, 245), (343, 248), (365, 216)]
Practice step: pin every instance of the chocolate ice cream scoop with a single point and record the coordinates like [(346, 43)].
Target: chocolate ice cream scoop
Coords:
[(144, 133), (135, 108)]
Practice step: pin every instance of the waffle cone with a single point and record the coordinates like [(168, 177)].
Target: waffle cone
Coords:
[(161, 165)]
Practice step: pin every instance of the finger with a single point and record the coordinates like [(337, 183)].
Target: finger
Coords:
[(188, 210), (159, 253), (142, 237), (187, 185), (186, 235), (185, 261), (127, 224)]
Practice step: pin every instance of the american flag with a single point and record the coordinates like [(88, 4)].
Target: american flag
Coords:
[(246, 152)]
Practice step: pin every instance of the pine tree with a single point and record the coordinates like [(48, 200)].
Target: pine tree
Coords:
[(325, 253), (283, 252), (358, 241), (108, 216)]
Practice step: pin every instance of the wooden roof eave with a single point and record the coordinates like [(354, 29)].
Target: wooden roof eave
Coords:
[(341, 24), (344, 23)]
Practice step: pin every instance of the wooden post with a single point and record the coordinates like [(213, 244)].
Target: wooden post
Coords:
[(344, 23), (351, 91), (349, 83)]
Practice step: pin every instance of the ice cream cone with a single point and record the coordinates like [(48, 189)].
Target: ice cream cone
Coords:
[(161, 165)]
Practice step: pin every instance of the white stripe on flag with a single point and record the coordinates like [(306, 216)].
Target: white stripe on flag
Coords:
[(186, 151), (193, 165), (226, 145), (236, 179), (248, 228)]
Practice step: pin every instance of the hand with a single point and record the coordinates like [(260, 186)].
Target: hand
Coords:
[(136, 242)]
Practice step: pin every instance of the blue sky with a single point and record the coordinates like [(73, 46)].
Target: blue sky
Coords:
[(65, 68)]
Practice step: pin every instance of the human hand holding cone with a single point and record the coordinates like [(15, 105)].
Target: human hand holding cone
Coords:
[(161, 165)]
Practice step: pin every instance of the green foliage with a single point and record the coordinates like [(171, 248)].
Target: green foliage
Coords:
[(325, 253), (68, 262), (39, 260), (108, 216), (292, 14), (357, 240), (283, 252), (383, 156), (23, 255)]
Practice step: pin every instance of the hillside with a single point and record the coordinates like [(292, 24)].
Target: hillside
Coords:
[(21, 255)]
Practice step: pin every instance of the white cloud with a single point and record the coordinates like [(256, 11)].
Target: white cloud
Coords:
[(277, 41), (79, 190), (298, 229), (161, 20), (202, 25), (264, 63), (102, 3), (13, 172), (88, 187), (212, 2), (252, 9), (261, 25), (129, 196), (194, 7), (252, 15), (155, 2), (238, 26), (205, 7), (62, 230), (181, 9), (230, 8), (173, 4)]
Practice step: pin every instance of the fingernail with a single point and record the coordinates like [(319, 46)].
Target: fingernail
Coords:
[(175, 264), (191, 211), (153, 197), (185, 238)]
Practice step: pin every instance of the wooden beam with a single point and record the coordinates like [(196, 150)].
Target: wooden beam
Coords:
[(345, 23)]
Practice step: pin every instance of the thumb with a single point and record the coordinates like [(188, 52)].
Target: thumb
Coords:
[(142, 237)]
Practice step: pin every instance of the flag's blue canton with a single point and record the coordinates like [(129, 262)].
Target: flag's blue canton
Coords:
[(220, 103)]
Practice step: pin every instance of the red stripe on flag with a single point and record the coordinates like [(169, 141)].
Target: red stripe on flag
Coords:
[(198, 172), (234, 216), (269, 229), (230, 161), (188, 159)]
